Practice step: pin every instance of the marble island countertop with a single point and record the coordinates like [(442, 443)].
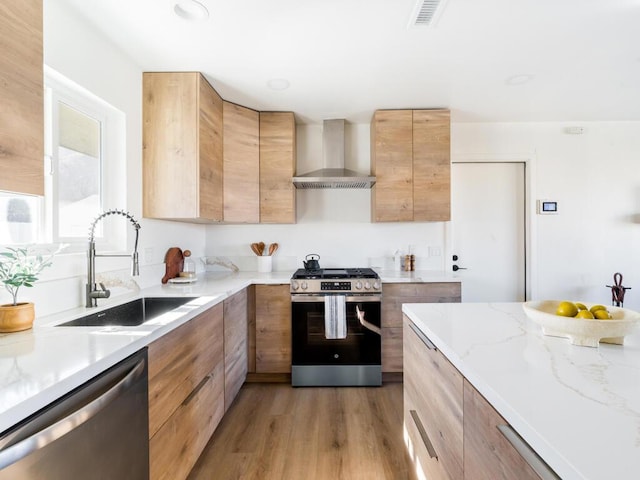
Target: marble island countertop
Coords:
[(578, 407)]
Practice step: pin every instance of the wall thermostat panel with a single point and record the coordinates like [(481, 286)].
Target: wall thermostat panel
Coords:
[(547, 207)]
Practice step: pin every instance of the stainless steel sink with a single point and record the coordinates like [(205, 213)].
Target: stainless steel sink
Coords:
[(135, 312)]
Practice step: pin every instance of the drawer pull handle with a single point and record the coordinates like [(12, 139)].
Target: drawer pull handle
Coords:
[(196, 390), (423, 434), (527, 453), (422, 337)]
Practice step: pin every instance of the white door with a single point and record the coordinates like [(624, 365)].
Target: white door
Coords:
[(488, 230)]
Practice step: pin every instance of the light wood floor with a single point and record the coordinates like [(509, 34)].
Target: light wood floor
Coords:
[(276, 432)]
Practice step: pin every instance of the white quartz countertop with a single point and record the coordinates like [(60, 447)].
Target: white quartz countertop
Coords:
[(42, 364), (578, 407)]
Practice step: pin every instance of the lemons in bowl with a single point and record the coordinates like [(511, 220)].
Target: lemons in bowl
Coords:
[(579, 310)]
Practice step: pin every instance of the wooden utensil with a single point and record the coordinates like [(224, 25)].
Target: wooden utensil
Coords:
[(272, 248), (256, 249), (261, 246)]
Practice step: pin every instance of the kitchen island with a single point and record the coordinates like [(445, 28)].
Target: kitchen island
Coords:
[(577, 407)]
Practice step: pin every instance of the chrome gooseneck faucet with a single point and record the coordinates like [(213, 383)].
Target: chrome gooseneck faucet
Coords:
[(92, 291)]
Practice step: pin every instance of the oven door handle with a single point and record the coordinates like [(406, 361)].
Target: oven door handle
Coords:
[(365, 324), (320, 298)]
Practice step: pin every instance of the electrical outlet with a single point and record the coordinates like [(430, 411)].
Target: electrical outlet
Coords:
[(435, 251), (148, 255)]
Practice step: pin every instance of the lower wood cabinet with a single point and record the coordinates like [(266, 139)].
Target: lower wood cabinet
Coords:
[(433, 408), (235, 345), (273, 328), (393, 296), (451, 431), (488, 453), (186, 393)]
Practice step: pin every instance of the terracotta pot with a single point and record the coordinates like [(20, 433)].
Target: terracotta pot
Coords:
[(15, 318)]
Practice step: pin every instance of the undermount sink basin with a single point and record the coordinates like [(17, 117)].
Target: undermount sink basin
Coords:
[(135, 312)]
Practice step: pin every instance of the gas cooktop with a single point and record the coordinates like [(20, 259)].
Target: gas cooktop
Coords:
[(328, 273)]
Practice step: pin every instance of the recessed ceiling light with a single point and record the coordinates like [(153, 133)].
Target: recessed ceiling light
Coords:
[(191, 10), (278, 84), (520, 79)]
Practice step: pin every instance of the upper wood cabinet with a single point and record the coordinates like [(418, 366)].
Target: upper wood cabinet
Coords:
[(182, 147), (277, 167), (21, 97), (241, 153), (410, 157)]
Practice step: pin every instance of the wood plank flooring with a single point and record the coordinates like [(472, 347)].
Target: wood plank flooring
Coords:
[(274, 431)]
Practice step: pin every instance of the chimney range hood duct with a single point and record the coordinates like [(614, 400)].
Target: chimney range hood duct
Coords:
[(334, 175)]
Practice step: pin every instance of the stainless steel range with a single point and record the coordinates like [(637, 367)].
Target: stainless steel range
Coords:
[(336, 321)]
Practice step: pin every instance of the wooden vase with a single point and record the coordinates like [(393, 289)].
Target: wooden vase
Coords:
[(15, 318)]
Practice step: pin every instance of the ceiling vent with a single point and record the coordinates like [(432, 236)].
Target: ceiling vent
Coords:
[(426, 13)]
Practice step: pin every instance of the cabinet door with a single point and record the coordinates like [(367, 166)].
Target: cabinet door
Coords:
[(235, 345), (431, 165), (180, 360), (392, 165), (393, 296), (273, 329), (21, 97), (182, 147), (433, 406), (277, 167), (488, 455), (210, 145), (241, 164)]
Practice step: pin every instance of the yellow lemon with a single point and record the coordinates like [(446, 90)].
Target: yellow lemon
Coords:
[(595, 308), (602, 315), (567, 309), (585, 314), (581, 306)]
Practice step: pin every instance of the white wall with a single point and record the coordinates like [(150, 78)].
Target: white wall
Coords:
[(79, 52), (595, 177)]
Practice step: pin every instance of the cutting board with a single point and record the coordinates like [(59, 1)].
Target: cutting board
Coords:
[(173, 260)]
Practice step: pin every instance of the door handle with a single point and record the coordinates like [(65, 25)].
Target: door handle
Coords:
[(456, 268)]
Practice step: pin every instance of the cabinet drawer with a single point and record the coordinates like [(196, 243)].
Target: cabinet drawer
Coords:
[(174, 449), (435, 390), (488, 454), (180, 360)]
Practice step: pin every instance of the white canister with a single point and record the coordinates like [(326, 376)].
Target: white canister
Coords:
[(264, 263)]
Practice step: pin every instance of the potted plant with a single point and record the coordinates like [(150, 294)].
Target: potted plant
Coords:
[(19, 269)]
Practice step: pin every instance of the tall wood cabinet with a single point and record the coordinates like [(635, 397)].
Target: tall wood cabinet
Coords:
[(241, 166), (393, 296), (277, 167), (410, 157), (21, 97), (182, 147)]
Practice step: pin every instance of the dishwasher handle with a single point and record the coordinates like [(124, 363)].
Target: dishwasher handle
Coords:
[(51, 433)]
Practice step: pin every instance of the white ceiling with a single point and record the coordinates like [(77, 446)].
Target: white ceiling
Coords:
[(346, 58)]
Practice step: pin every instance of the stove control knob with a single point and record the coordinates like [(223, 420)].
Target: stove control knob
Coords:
[(367, 285), (295, 285), (305, 285), (359, 285), (376, 285)]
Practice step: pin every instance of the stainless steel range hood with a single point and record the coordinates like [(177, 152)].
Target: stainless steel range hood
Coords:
[(333, 175)]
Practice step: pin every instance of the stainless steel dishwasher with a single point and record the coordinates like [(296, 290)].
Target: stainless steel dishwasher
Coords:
[(97, 431)]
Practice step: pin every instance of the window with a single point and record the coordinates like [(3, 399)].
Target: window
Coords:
[(84, 167)]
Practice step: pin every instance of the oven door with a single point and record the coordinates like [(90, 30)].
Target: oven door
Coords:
[(362, 345)]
